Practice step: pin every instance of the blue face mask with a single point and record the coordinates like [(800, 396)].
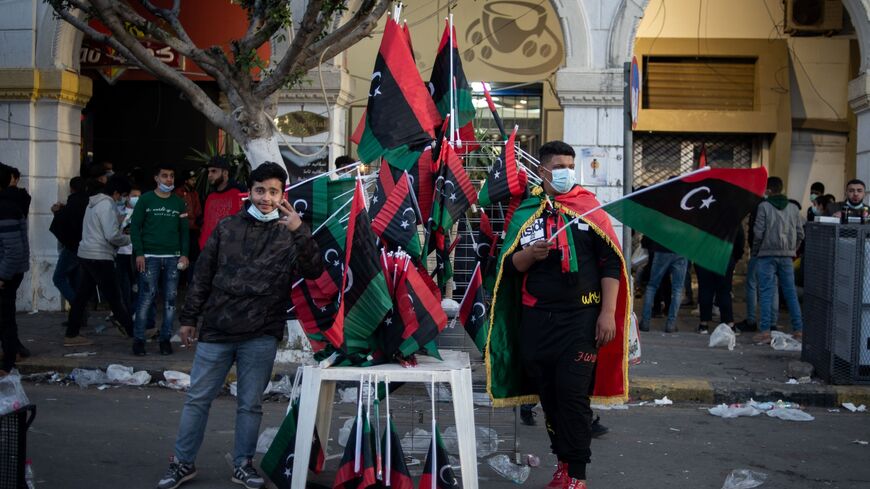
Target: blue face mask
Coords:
[(258, 214), (563, 180), (165, 188)]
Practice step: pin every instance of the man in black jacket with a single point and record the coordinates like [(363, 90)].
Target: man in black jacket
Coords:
[(67, 228), (14, 261), (240, 289)]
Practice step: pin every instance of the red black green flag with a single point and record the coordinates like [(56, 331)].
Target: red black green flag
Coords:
[(454, 191), (383, 187), (364, 297), (422, 181), (277, 463), (420, 310), (399, 476), (316, 317), (347, 477), (400, 118), (444, 476), (439, 86), (503, 180), (317, 199), (696, 215), (473, 311), (396, 221)]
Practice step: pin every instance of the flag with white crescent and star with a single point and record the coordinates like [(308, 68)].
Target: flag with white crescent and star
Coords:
[(418, 302), (319, 198), (473, 311), (454, 193), (347, 477), (400, 118), (503, 180), (695, 215), (445, 478), (396, 221), (400, 477), (439, 87), (277, 463)]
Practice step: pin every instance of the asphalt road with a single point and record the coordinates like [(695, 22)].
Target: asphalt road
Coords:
[(123, 437)]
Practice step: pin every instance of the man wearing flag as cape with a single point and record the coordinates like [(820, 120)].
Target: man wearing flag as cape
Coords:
[(559, 317)]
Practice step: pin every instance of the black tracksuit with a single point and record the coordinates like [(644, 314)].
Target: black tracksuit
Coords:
[(557, 335)]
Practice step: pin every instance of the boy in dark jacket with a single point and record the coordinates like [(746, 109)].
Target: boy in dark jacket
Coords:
[(240, 290), (14, 261)]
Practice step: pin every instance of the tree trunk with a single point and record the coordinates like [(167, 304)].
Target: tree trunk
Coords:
[(263, 149), (259, 137)]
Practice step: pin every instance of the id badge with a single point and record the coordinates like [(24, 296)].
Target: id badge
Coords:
[(535, 232)]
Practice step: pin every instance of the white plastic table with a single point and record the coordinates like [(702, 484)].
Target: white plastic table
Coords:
[(318, 393)]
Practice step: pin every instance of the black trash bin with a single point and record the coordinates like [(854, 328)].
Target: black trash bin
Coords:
[(13, 446)]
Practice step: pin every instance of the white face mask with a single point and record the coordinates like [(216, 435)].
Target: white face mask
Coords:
[(133, 201), (563, 180), (165, 188), (258, 214)]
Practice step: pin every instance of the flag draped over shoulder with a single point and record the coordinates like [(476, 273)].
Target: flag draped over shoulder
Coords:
[(364, 295), (696, 215), (400, 118), (473, 311), (439, 86), (507, 382)]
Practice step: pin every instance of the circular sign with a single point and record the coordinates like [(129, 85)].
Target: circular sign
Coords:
[(634, 81)]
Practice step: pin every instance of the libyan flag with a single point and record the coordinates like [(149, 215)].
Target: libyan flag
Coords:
[(365, 298), (397, 471), (696, 215), (400, 118), (419, 305), (438, 466), (504, 180), (347, 477), (439, 87), (396, 220), (454, 191), (473, 313), (278, 461), (319, 198)]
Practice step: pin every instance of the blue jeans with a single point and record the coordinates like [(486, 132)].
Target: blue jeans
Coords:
[(155, 270), (663, 263), (752, 294), (66, 273), (780, 267), (254, 359)]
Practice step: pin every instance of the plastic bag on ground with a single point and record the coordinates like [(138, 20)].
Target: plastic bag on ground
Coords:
[(416, 441), (633, 342), (784, 342), (344, 432), (119, 374), (175, 380), (504, 467), (723, 335), (789, 414), (264, 441), (85, 377), (744, 479), (12, 396), (733, 411), (487, 440)]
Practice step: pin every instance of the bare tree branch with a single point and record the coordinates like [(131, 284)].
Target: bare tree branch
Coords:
[(342, 38)]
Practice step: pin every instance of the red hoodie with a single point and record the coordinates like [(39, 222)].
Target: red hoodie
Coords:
[(218, 205)]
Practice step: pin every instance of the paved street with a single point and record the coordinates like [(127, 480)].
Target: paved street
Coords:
[(122, 437)]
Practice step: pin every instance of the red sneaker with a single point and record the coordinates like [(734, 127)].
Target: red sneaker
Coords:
[(560, 476), (572, 483)]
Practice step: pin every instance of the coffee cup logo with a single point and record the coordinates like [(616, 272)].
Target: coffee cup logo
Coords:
[(507, 29)]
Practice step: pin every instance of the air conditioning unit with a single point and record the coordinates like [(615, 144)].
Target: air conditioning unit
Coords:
[(813, 16)]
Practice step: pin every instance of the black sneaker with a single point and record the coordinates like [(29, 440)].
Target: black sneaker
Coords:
[(702, 329), (746, 326), (177, 475), (597, 429), (247, 476), (527, 414), (165, 348), (643, 326), (139, 348)]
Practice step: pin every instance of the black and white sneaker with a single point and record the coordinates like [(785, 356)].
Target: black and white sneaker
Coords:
[(702, 329), (178, 474), (247, 476)]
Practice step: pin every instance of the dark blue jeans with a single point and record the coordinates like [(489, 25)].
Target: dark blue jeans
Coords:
[(66, 273), (162, 273)]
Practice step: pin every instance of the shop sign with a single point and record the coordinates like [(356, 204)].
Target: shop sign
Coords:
[(95, 54)]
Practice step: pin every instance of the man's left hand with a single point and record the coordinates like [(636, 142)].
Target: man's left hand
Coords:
[(183, 263), (290, 218), (605, 329)]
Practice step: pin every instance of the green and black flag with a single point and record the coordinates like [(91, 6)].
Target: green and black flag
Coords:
[(400, 118), (443, 474), (696, 215), (421, 312), (422, 181), (473, 311), (365, 298), (277, 463), (317, 199), (439, 86), (454, 193), (383, 187), (347, 477), (396, 221), (504, 180), (399, 476)]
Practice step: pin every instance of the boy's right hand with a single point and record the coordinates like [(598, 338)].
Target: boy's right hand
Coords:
[(187, 334), (140, 264)]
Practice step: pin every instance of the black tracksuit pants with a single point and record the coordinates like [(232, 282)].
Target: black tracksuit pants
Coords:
[(8, 325), (560, 355)]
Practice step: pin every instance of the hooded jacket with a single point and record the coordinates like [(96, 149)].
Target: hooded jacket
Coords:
[(778, 229), (67, 222), (241, 284), (101, 230), (14, 246)]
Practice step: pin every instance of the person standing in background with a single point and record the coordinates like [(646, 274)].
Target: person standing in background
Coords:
[(14, 261), (223, 201), (193, 207)]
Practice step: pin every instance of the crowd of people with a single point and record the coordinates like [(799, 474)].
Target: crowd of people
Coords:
[(122, 240)]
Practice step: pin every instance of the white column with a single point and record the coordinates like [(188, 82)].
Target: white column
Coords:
[(859, 100)]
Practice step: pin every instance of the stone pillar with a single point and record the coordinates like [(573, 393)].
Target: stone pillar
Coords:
[(40, 134), (592, 101), (859, 100)]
